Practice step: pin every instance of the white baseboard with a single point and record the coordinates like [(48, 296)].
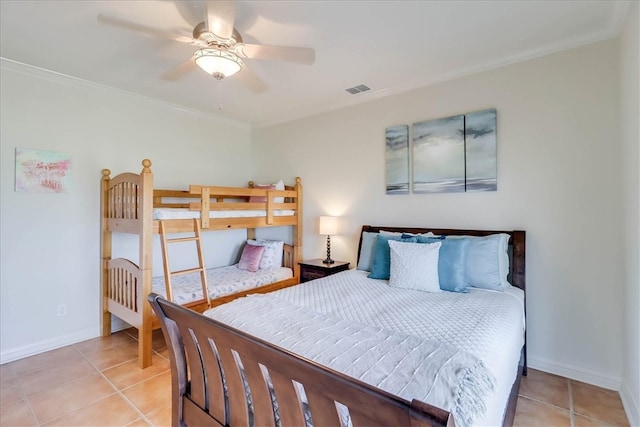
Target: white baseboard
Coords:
[(48, 344), (631, 406), (575, 373), (57, 342)]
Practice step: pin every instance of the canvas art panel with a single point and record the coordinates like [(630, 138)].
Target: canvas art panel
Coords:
[(456, 154), (438, 155), (481, 151), (39, 171), (397, 159)]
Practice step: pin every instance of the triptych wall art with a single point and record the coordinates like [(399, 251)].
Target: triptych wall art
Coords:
[(452, 154)]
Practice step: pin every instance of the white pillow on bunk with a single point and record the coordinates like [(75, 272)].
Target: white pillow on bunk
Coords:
[(261, 199), (275, 186), (272, 255), (279, 186)]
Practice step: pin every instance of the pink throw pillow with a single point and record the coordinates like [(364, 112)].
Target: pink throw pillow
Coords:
[(250, 258), (261, 199)]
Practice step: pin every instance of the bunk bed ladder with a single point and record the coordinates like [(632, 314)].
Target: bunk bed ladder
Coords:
[(168, 274)]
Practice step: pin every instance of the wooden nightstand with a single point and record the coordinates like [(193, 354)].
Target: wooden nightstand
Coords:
[(315, 269)]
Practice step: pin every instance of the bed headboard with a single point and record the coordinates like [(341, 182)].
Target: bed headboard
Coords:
[(516, 245)]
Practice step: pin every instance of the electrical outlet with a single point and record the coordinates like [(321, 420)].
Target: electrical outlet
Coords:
[(62, 310)]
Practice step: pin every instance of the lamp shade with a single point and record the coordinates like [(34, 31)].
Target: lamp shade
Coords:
[(328, 225)]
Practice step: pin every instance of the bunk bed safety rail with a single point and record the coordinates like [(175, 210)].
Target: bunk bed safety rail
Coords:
[(224, 195), (124, 287)]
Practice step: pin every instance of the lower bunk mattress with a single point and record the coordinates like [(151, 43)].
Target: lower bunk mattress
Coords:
[(482, 328), (221, 281)]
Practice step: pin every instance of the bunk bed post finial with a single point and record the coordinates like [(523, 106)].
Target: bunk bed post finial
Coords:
[(146, 165)]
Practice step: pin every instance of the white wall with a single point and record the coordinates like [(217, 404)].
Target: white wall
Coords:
[(630, 118), (50, 242), (563, 176), (558, 178)]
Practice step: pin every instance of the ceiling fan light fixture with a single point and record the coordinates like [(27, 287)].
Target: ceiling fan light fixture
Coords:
[(218, 63)]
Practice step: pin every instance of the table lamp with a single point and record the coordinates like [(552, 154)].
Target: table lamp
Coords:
[(328, 226)]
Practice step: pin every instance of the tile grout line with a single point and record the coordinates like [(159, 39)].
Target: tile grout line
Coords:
[(118, 391), (76, 379), (544, 403), (25, 398), (144, 417), (571, 414)]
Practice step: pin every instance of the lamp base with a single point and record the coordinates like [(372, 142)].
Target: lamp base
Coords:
[(328, 260)]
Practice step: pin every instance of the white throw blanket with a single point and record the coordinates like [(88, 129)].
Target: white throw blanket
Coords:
[(404, 365)]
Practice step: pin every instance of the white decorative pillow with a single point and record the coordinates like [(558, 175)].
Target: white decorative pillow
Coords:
[(414, 266), (272, 255)]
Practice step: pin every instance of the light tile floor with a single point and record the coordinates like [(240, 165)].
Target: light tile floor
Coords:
[(550, 400), (98, 383)]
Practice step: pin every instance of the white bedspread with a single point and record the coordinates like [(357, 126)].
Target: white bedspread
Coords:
[(222, 281), (179, 213), (487, 324), (403, 365)]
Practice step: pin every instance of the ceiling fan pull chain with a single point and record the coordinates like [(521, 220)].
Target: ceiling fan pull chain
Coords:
[(219, 94)]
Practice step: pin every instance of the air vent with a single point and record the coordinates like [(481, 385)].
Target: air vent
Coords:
[(358, 89)]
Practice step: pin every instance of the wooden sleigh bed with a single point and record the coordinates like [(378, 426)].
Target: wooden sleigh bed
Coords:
[(128, 201), (223, 375)]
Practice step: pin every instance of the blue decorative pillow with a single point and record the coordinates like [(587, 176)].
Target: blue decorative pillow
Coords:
[(366, 250), (451, 262), (381, 264), (488, 262), (428, 235)]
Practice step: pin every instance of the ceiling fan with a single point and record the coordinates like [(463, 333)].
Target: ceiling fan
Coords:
[(220, 48)]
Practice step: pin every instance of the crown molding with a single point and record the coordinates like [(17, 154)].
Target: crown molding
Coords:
[(612, 31), (64, 79)]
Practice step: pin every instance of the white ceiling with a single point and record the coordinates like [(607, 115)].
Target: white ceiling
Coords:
[(391, 46)]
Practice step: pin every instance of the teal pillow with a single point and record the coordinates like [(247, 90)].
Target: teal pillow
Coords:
[(451, 263), (381, 263)]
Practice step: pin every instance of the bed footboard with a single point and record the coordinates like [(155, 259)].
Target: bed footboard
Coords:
[(208, 357), (124, 291)]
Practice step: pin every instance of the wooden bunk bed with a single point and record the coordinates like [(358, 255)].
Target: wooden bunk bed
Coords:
[(128, 201)]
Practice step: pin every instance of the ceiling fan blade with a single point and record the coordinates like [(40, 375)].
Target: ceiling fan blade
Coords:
[(180, 70), (123, 23), (220, 17), (250, 79), (299, 55)]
